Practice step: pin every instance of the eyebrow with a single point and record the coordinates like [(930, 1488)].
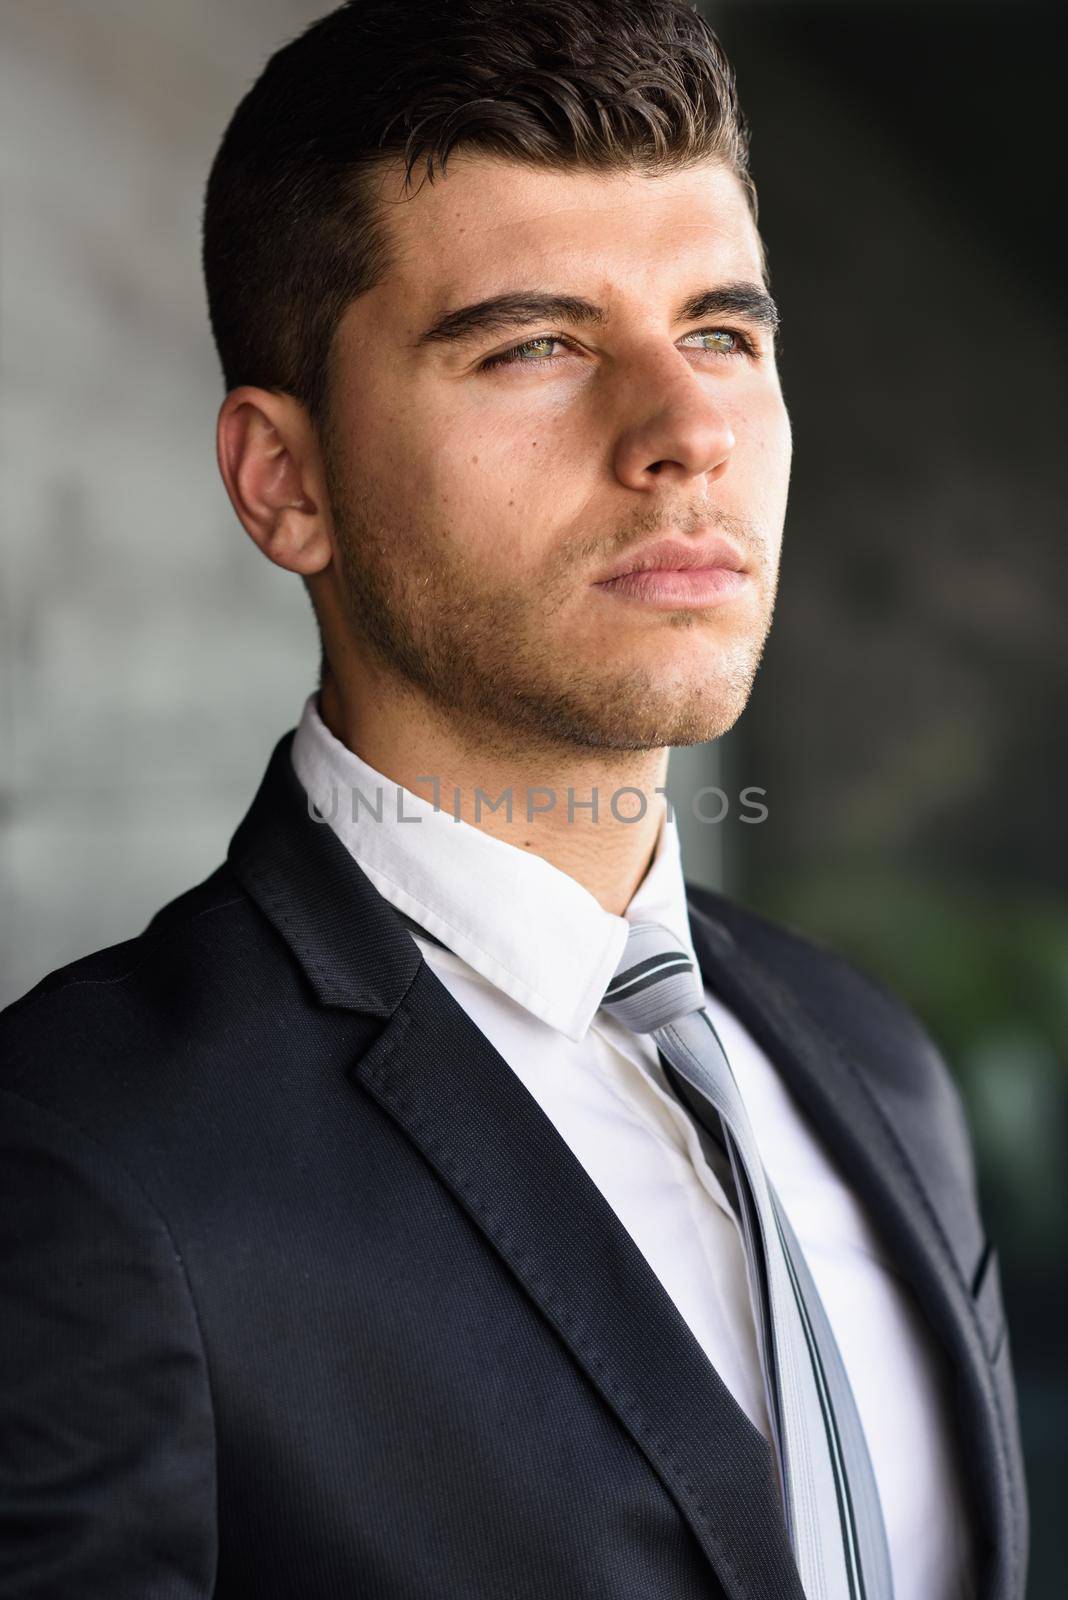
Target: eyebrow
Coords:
[(522, 307)]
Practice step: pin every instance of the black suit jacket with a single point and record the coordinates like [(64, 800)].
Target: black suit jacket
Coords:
[(304, 1296)]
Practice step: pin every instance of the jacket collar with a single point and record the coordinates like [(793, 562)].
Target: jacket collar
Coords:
[(354, 951)]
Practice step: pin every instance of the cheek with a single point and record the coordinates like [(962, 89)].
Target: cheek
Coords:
[(780, 434), (414, 479), (764, 447), (761, 415), (496, 492)]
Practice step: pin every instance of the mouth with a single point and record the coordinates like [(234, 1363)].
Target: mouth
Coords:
[(703, 586), (672, 574)]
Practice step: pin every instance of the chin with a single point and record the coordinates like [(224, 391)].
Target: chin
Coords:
[(695, 725), (704, 701), (636, 715)]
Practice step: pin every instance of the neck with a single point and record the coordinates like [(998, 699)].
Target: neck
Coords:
[(565, 805)]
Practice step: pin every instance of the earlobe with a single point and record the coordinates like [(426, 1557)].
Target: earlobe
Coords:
[(270, 463)]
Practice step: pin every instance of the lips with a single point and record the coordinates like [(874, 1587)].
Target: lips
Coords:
[(673, 589), (677, 555)]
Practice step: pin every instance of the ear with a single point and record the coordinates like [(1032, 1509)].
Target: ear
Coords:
[(272, 467)]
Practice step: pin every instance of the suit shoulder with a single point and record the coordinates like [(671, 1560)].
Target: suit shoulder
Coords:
[(113, 963), (136, 997)]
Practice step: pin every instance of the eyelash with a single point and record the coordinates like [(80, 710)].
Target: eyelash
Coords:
[(511, 358)]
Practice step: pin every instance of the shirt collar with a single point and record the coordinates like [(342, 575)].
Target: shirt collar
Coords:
[(525, 926)]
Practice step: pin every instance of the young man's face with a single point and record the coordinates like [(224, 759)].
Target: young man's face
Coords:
[(479, 508)]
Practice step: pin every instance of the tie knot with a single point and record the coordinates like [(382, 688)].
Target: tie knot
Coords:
[(655, 982)]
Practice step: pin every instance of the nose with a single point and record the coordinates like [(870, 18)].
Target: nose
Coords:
[(680, 429)]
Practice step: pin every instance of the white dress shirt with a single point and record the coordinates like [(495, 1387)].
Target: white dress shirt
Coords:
[(530, 955)]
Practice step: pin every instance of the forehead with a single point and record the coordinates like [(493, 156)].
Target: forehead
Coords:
[(490, 221)]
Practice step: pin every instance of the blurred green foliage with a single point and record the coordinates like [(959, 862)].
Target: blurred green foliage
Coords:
[(987, 974)]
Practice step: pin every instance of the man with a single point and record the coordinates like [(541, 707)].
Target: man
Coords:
[(441, 1199)]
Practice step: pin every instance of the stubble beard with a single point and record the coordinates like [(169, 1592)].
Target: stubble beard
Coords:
[(487, 664)]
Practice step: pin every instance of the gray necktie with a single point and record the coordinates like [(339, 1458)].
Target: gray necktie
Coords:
[(830, 1498)]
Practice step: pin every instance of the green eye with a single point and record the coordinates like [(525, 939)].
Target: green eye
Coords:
[(720, 338), (535, 347), (525, 354)]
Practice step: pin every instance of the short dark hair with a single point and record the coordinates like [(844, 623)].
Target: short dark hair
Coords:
[(291, 233)]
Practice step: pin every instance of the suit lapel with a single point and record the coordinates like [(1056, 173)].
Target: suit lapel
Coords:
[(501, 1159), (842, 1105)]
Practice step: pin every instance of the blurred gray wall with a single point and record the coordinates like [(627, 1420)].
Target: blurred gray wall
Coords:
[(149, 655)]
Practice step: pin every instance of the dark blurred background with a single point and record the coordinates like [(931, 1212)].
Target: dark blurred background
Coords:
[(907, 722), (909, 718)]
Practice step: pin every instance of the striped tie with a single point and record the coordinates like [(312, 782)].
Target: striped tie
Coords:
[(830, 1498)]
